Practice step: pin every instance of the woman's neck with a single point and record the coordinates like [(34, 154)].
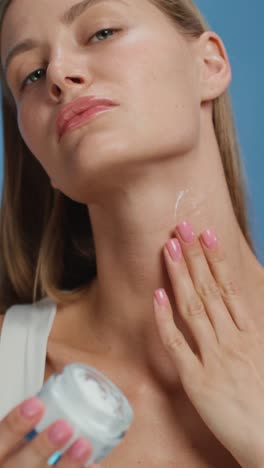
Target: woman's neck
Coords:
[(131, 226)]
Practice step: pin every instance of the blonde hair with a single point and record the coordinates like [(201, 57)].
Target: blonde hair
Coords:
[(46, 243)]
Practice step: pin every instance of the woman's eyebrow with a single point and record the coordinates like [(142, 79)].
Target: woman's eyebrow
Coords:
[(78, 9), (67, 19)]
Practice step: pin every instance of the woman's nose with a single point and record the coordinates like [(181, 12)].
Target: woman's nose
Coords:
[(60, 79)]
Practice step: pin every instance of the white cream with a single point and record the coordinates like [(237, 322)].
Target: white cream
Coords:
[(98, 398), (95, 407), (179, 197)]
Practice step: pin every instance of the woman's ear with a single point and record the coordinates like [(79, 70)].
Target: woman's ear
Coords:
[(216, 72)]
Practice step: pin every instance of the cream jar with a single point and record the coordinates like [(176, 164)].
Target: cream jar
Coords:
[(94, 406)]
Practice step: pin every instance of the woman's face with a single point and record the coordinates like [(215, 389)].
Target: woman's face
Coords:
[(141, 62)]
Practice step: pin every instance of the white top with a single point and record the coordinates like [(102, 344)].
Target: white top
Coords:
[(23, 349)]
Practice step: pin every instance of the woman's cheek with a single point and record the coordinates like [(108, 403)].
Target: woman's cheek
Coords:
[(30, 124)]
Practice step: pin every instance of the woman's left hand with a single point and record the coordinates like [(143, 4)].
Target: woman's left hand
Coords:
[(225, 378)]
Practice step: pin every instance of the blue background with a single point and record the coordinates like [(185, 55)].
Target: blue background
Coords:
[(239, 23)]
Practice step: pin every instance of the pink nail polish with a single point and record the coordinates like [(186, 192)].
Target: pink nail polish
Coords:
[(59, 432), (161, 296), (210, 238), (80, 449), (174, 249), (31, 407), (186, 231)]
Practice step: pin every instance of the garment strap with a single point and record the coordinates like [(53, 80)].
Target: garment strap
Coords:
[(23, 349)]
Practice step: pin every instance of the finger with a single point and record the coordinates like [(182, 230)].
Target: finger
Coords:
[(42, 446), (189, 305), (17, 423), (76, 455), (173, 340), (204, 282), (229, 286)]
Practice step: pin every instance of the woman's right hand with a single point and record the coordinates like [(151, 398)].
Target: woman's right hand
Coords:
[(16, 452)]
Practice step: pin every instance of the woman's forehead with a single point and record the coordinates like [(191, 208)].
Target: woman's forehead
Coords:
[(23, 15), (29, 13), (63, 10)]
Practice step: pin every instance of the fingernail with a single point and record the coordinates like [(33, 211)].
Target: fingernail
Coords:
[(80, 449), (60, 431), (186, 231), (161, 296), (30, 408), (174, 249), (210, 238)]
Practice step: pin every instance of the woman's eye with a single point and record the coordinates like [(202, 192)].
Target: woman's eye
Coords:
[(31, 75), (103, 33), (100, 35)]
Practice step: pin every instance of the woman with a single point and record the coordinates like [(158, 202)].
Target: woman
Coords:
[(88, 208)]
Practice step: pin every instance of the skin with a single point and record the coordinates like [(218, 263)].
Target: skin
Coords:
[(169, 164), (223, 377)]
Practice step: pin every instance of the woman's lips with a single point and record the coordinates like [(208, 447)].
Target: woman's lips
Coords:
[(84, 117)]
